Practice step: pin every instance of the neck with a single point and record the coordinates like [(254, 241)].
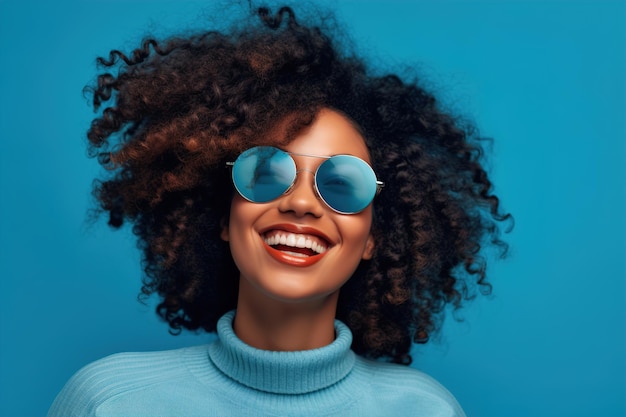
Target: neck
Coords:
[(269, 324)]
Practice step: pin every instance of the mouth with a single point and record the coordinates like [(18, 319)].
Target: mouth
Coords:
[(296, 244), (302, 248)]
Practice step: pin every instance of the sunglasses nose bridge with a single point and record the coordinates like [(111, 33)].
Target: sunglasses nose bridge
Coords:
[(305, 170), (312, 183), (305, 181), (302, 196)]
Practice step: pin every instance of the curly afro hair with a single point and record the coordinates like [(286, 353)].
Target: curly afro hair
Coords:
[(182, 107)]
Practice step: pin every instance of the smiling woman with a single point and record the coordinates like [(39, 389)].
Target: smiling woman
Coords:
[(279, 288), (307, 277)]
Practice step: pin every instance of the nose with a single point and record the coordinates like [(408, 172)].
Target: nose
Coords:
[(302, 199)]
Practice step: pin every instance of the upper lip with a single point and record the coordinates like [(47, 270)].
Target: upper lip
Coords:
[(298, 229)]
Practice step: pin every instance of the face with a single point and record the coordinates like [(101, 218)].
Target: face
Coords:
[(265, 239)]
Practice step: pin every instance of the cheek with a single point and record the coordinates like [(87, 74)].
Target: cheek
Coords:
[(357, 230), (242, 213)]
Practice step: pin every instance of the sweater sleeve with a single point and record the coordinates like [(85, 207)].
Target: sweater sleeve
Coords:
[(95, 387), (111, 377), (81, 394), (405, 390)]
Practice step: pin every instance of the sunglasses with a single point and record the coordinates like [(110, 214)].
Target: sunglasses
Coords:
[(346, 184)]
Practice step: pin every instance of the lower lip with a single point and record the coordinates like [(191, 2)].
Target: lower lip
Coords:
[(293, 260)]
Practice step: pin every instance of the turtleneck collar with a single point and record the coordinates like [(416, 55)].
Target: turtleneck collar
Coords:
[(296, 372)]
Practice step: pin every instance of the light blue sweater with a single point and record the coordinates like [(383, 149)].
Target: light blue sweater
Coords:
[(230, 378)]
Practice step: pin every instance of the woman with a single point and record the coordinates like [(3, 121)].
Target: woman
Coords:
[(316, 216)]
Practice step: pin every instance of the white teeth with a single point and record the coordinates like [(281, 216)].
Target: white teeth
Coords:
[(295, 241), (298, 254)]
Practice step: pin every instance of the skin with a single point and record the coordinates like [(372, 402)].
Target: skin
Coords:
[(288, 302)]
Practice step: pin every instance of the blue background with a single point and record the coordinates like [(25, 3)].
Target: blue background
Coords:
[(545, 79)]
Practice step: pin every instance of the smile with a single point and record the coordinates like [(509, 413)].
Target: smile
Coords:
[(298, 249), (312, 245)]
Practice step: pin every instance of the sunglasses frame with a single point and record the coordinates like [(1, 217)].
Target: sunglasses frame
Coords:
[(379, 184)]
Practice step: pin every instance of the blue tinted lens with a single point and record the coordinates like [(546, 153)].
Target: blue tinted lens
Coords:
[(346, 183), (263, 173)]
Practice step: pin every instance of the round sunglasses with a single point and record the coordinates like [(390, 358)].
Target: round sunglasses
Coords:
[(346, 184)]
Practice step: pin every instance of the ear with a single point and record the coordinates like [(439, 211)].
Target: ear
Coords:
[(224, 233), (369, 248)]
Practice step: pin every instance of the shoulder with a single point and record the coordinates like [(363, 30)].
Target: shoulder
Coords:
[(414, 391), (107, 378)]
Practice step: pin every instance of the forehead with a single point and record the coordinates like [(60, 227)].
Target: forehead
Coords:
[(331, 133)]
